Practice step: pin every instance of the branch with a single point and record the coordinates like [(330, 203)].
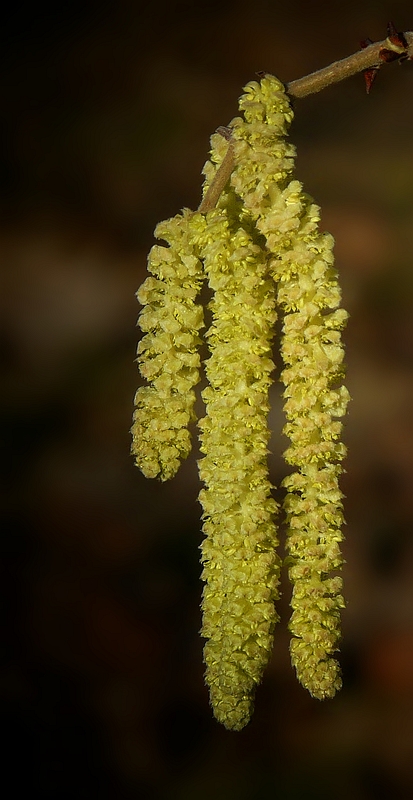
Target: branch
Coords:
[(372, 56), (220, 180)]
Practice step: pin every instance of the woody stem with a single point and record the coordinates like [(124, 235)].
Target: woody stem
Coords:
[(310, 84)]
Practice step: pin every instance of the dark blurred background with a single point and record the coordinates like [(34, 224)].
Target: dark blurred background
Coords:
[(106, 111)]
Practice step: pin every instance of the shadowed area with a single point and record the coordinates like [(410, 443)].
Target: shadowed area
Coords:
[(106, 113)]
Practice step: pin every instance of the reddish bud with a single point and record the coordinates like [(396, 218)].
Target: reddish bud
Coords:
[(369, 77)]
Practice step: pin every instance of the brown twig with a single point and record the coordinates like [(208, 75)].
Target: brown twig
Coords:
[(219, 181), (371, 56), (339, 70)]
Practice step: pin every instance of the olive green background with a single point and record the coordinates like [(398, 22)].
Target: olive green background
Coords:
[(106, 112)]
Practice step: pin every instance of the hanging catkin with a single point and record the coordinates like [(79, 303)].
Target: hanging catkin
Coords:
[(168, 354), (241, 567), (301, 261), (260, 247)]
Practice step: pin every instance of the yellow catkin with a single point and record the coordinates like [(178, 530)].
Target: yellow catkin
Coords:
[(260, 245), (168, 354), (301, 262), (315, 401), (240, 564)]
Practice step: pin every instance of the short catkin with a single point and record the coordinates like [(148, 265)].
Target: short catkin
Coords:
[(168, 354)]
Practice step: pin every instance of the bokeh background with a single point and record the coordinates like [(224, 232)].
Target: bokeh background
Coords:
[(106, 111)]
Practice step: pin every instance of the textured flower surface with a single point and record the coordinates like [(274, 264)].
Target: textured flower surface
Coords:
[(240, 564), (168, 354), (315, 402), (259, 247), (302, 263)]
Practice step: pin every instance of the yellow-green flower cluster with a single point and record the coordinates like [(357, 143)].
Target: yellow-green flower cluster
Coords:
[(259, 247), (264, 158), (315, 401), (168, 354), (240, 564), (301, 262)]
